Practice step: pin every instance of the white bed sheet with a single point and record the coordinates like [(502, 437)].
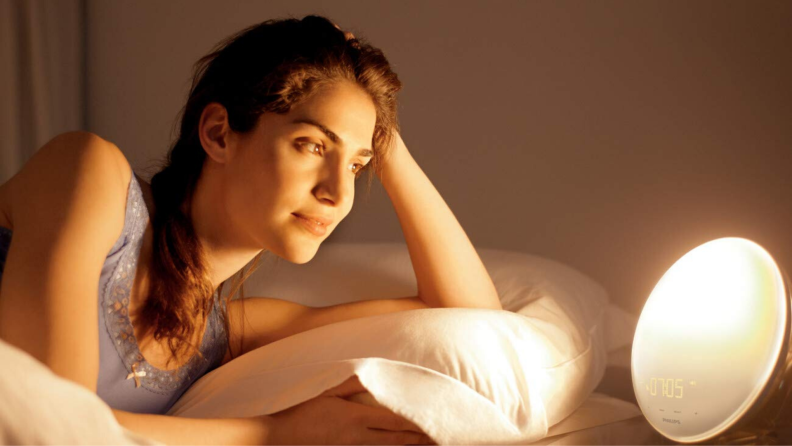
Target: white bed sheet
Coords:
[(598, 410)]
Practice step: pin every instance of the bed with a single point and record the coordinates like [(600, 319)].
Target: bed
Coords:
[(566, 380)]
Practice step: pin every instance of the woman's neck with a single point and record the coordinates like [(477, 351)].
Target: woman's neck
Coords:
[(225, 254)]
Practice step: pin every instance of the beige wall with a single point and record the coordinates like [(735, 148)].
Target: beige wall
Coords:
[(611, 136)]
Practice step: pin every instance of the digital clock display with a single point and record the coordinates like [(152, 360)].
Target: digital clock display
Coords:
[(667, 387)]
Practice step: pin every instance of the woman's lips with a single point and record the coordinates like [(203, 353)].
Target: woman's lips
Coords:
[(312, 226)]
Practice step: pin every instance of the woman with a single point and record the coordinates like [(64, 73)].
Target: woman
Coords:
[(281, 120)]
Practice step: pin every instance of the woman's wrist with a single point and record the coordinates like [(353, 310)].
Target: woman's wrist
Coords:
[(398, 159)]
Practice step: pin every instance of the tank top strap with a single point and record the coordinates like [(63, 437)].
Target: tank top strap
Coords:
[(136, 217)]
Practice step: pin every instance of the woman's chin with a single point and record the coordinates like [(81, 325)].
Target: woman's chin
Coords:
[(299, 254)]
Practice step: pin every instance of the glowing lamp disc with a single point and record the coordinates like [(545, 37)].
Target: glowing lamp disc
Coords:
[(711, 336)]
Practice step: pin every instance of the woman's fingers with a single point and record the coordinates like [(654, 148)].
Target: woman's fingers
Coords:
[(382, 418), (385, 426)]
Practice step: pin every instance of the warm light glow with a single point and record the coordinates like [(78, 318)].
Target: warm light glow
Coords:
[(708, 338)]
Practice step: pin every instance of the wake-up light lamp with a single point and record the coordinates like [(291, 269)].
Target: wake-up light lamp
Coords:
[(710, 356)]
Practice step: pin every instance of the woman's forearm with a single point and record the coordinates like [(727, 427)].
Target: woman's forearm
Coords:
[(179, 430), (447, 267)]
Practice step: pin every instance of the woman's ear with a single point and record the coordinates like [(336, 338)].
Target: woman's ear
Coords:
[(214, 132)]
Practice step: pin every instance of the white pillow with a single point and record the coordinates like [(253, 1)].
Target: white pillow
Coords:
[(462, 375)]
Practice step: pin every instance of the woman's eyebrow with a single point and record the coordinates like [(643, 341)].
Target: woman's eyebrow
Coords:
[(330, 134)]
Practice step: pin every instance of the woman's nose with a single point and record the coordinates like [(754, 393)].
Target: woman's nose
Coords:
[(337, 186)]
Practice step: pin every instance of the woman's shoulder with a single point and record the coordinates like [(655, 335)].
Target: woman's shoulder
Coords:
[(85, 152), (70, 166)]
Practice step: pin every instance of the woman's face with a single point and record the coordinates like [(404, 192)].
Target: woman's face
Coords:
[(304, 162)]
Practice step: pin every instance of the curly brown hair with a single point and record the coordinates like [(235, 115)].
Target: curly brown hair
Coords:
[(266, 68)]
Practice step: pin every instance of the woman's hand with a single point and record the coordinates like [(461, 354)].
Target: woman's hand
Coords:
[(331, 419)]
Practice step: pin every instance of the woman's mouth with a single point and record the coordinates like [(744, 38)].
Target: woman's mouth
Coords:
[(313, 226)]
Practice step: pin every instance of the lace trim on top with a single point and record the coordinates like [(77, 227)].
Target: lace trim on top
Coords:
[(119, 326)]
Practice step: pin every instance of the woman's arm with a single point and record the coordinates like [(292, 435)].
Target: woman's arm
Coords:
[(448, 270), (180, 430), (67, 207)]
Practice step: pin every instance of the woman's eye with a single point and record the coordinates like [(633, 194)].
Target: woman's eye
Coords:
[(318, 149), (359, 168), (313, 147)]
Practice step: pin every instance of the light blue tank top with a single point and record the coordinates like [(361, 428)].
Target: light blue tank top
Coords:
[(158, 389)]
